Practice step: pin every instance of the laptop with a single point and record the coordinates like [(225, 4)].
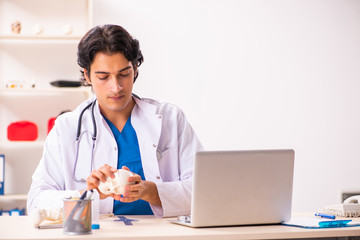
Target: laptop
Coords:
[(241, 188)]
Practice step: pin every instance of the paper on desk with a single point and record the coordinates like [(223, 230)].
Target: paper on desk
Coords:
[(315, 222)]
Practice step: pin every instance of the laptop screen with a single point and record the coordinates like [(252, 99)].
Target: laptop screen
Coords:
[(242, 187)]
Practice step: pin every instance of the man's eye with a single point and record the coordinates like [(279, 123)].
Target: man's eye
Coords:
[(102, 77), (125, 73)]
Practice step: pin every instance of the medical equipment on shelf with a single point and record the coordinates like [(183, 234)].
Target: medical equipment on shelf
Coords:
[(51, 123), (22, 131), (117, 184), (16, 27)]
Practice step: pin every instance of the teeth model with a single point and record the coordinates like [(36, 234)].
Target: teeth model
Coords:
[(117, 184)]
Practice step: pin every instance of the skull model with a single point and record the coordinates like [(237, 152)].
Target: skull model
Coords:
[(117, 184)]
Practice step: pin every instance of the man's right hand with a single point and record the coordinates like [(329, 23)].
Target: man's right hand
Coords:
[(100, 175)]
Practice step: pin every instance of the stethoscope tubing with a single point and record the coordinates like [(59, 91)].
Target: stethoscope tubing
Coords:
[(78, 137), (78, 132)]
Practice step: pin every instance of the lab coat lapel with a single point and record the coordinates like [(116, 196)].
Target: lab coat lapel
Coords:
[(105, 151), (147, 125)]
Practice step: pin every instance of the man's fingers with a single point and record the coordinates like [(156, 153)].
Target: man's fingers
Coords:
[(132, 195), (107, 171), (135, 178), (126, 168), (99, 176), (92, 182)]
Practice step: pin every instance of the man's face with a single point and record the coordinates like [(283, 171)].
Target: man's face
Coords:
[(112, 78)]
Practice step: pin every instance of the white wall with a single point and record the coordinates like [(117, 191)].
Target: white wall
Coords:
[(258, 74)]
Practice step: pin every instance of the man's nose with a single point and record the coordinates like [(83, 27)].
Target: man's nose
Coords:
[(115, 84)]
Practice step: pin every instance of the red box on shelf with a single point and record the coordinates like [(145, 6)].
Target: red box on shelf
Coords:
[(22, 131), (51, 123)]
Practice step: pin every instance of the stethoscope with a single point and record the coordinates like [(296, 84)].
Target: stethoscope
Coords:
[(94, 135), (78, 138)]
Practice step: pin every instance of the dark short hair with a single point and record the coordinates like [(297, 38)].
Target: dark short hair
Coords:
[(107, 39)]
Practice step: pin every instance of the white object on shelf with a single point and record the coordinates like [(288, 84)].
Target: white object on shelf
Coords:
[(38, 29), (68, 29)]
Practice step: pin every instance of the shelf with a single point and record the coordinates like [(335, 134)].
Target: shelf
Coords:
[(52, 18), (40, 37), (14, 197), (43, 91), (21, 144), (21, 104), (37, 39), (27, 58)]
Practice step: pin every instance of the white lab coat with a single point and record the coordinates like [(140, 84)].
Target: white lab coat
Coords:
[(167, 146)]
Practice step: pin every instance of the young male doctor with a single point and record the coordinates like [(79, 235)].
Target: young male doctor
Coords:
[(116, 129)]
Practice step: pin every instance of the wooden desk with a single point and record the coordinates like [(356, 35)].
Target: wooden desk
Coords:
[(151, 228)]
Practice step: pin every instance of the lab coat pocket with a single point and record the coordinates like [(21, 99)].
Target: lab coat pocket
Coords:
[(168, 164), (165, 154)]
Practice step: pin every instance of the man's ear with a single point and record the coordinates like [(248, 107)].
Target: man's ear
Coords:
[(135, 73), (87, 76)]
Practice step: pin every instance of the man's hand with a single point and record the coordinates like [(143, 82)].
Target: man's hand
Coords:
[(144, 190), (98, 176)]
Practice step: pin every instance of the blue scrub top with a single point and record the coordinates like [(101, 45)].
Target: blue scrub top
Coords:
[(129, 156)]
